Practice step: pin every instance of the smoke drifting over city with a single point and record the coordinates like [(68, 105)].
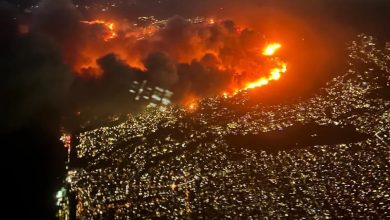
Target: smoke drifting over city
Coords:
[(99, 54)]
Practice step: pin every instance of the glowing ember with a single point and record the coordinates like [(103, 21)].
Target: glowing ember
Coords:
[(191, 103), (270, 49), (193, 106), (67, 140), (109, 25)]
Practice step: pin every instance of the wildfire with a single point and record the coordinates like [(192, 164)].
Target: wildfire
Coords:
[(191, 103), (270, 49), (108, 25), (248, 66), (275, 74)]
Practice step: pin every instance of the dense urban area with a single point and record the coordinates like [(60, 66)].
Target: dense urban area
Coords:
[(324, 157)]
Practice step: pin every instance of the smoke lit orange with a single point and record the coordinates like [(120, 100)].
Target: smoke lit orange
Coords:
[(109, 25), (231, 53)]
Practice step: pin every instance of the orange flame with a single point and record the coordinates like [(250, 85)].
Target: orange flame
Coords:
[(275, 74), (109, 25), (191, 103), (270, 49)]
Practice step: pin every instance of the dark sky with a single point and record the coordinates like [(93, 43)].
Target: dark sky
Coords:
[(35, 82)]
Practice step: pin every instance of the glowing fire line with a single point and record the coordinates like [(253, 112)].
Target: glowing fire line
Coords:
[(108, 25), (275, 73)]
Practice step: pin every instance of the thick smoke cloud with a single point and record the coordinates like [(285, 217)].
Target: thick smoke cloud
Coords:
[(60, 21), (209, 57), (189, 59), (35, 79), (33, 90), (198, 80), (203, 60), (313, 33), (196, 60), (161, 70), (9, 26), (107, 94)]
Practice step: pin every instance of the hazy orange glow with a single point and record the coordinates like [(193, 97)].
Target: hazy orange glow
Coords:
[(109, 25), (270, 49), (191, 102)]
